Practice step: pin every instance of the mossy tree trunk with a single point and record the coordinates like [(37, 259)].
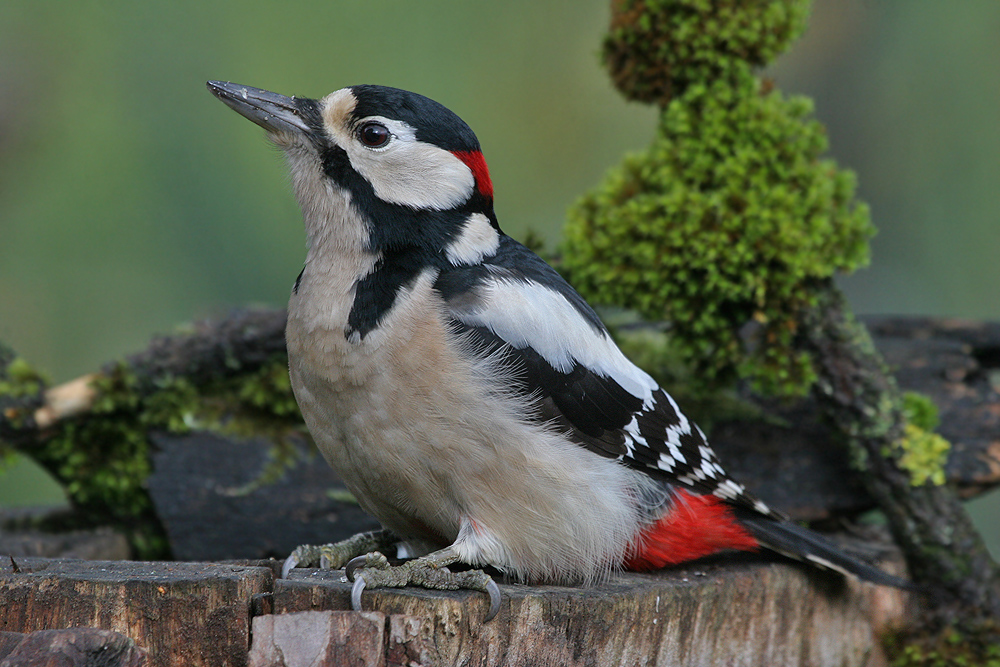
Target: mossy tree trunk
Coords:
[(944, 551), (733, 216)]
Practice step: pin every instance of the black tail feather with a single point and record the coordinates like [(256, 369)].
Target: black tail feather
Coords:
[(803, 544)]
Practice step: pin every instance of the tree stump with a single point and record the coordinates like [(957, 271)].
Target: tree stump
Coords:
[(182, 613), (733, 610)]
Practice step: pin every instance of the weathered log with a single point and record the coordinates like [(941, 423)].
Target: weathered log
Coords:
[(97, 544), (334, 638), (9, 641), (207, 494), (186, 614)]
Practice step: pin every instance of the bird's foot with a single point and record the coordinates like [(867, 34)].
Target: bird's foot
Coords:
[(430, 571), (337, 555)]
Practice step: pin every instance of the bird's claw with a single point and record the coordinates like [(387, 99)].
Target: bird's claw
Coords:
[(494, 592), (290, 563), (309, 555), (419, 572), (336, 555), (374, 560), (356, 590)]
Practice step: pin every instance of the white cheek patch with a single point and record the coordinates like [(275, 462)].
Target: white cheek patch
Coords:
[(413, 173), (407, 172), (478, 239)]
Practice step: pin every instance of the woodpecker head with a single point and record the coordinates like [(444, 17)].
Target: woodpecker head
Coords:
[(403, 168)]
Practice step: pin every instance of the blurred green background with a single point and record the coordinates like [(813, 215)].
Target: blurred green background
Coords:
[(132, 201)]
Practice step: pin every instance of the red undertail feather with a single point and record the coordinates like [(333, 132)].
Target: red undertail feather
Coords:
[(693, 527), (475, 161)]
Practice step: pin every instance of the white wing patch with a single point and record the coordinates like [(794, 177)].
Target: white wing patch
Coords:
[(528, 314)]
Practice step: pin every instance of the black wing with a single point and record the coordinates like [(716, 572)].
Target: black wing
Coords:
[(517, 307)]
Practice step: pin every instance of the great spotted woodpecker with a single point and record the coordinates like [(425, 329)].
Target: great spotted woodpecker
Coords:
[(470, 399)]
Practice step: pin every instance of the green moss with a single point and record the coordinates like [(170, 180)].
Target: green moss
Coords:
[(19, 379), (920, 410), (923, 455), (21, 389), (269, 391), (102, 460), (655, 49), (725, 221), (920, 452), (342, 496)]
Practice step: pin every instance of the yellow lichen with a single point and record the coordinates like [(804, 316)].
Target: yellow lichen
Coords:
[(923, 455)]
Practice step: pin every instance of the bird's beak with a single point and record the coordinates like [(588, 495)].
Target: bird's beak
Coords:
[(273, 112)]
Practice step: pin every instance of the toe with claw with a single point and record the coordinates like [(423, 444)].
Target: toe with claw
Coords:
[(426, 572), (335, 556)]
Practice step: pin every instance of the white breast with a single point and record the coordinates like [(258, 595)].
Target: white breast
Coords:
[(428, 438)]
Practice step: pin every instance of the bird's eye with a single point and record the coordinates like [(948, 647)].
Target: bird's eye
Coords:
[(374, 135)]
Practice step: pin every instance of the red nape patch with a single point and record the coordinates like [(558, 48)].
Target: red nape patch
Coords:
[(475, 161), (693, 527)]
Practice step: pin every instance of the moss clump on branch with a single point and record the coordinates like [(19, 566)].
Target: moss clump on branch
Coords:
[(727, 219), (655, 49), (21, 386), (923, 455), (21, 379), (103, 460), (920, 451), (104, 457)]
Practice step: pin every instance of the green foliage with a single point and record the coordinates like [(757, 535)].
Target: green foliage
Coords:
[(727, 219), (655, 49)]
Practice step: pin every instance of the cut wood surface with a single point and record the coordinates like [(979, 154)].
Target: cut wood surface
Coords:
[(732, 611), (183, 613)]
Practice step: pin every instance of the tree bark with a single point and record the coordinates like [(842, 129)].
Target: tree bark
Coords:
[(943, 550), (213, 351)]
